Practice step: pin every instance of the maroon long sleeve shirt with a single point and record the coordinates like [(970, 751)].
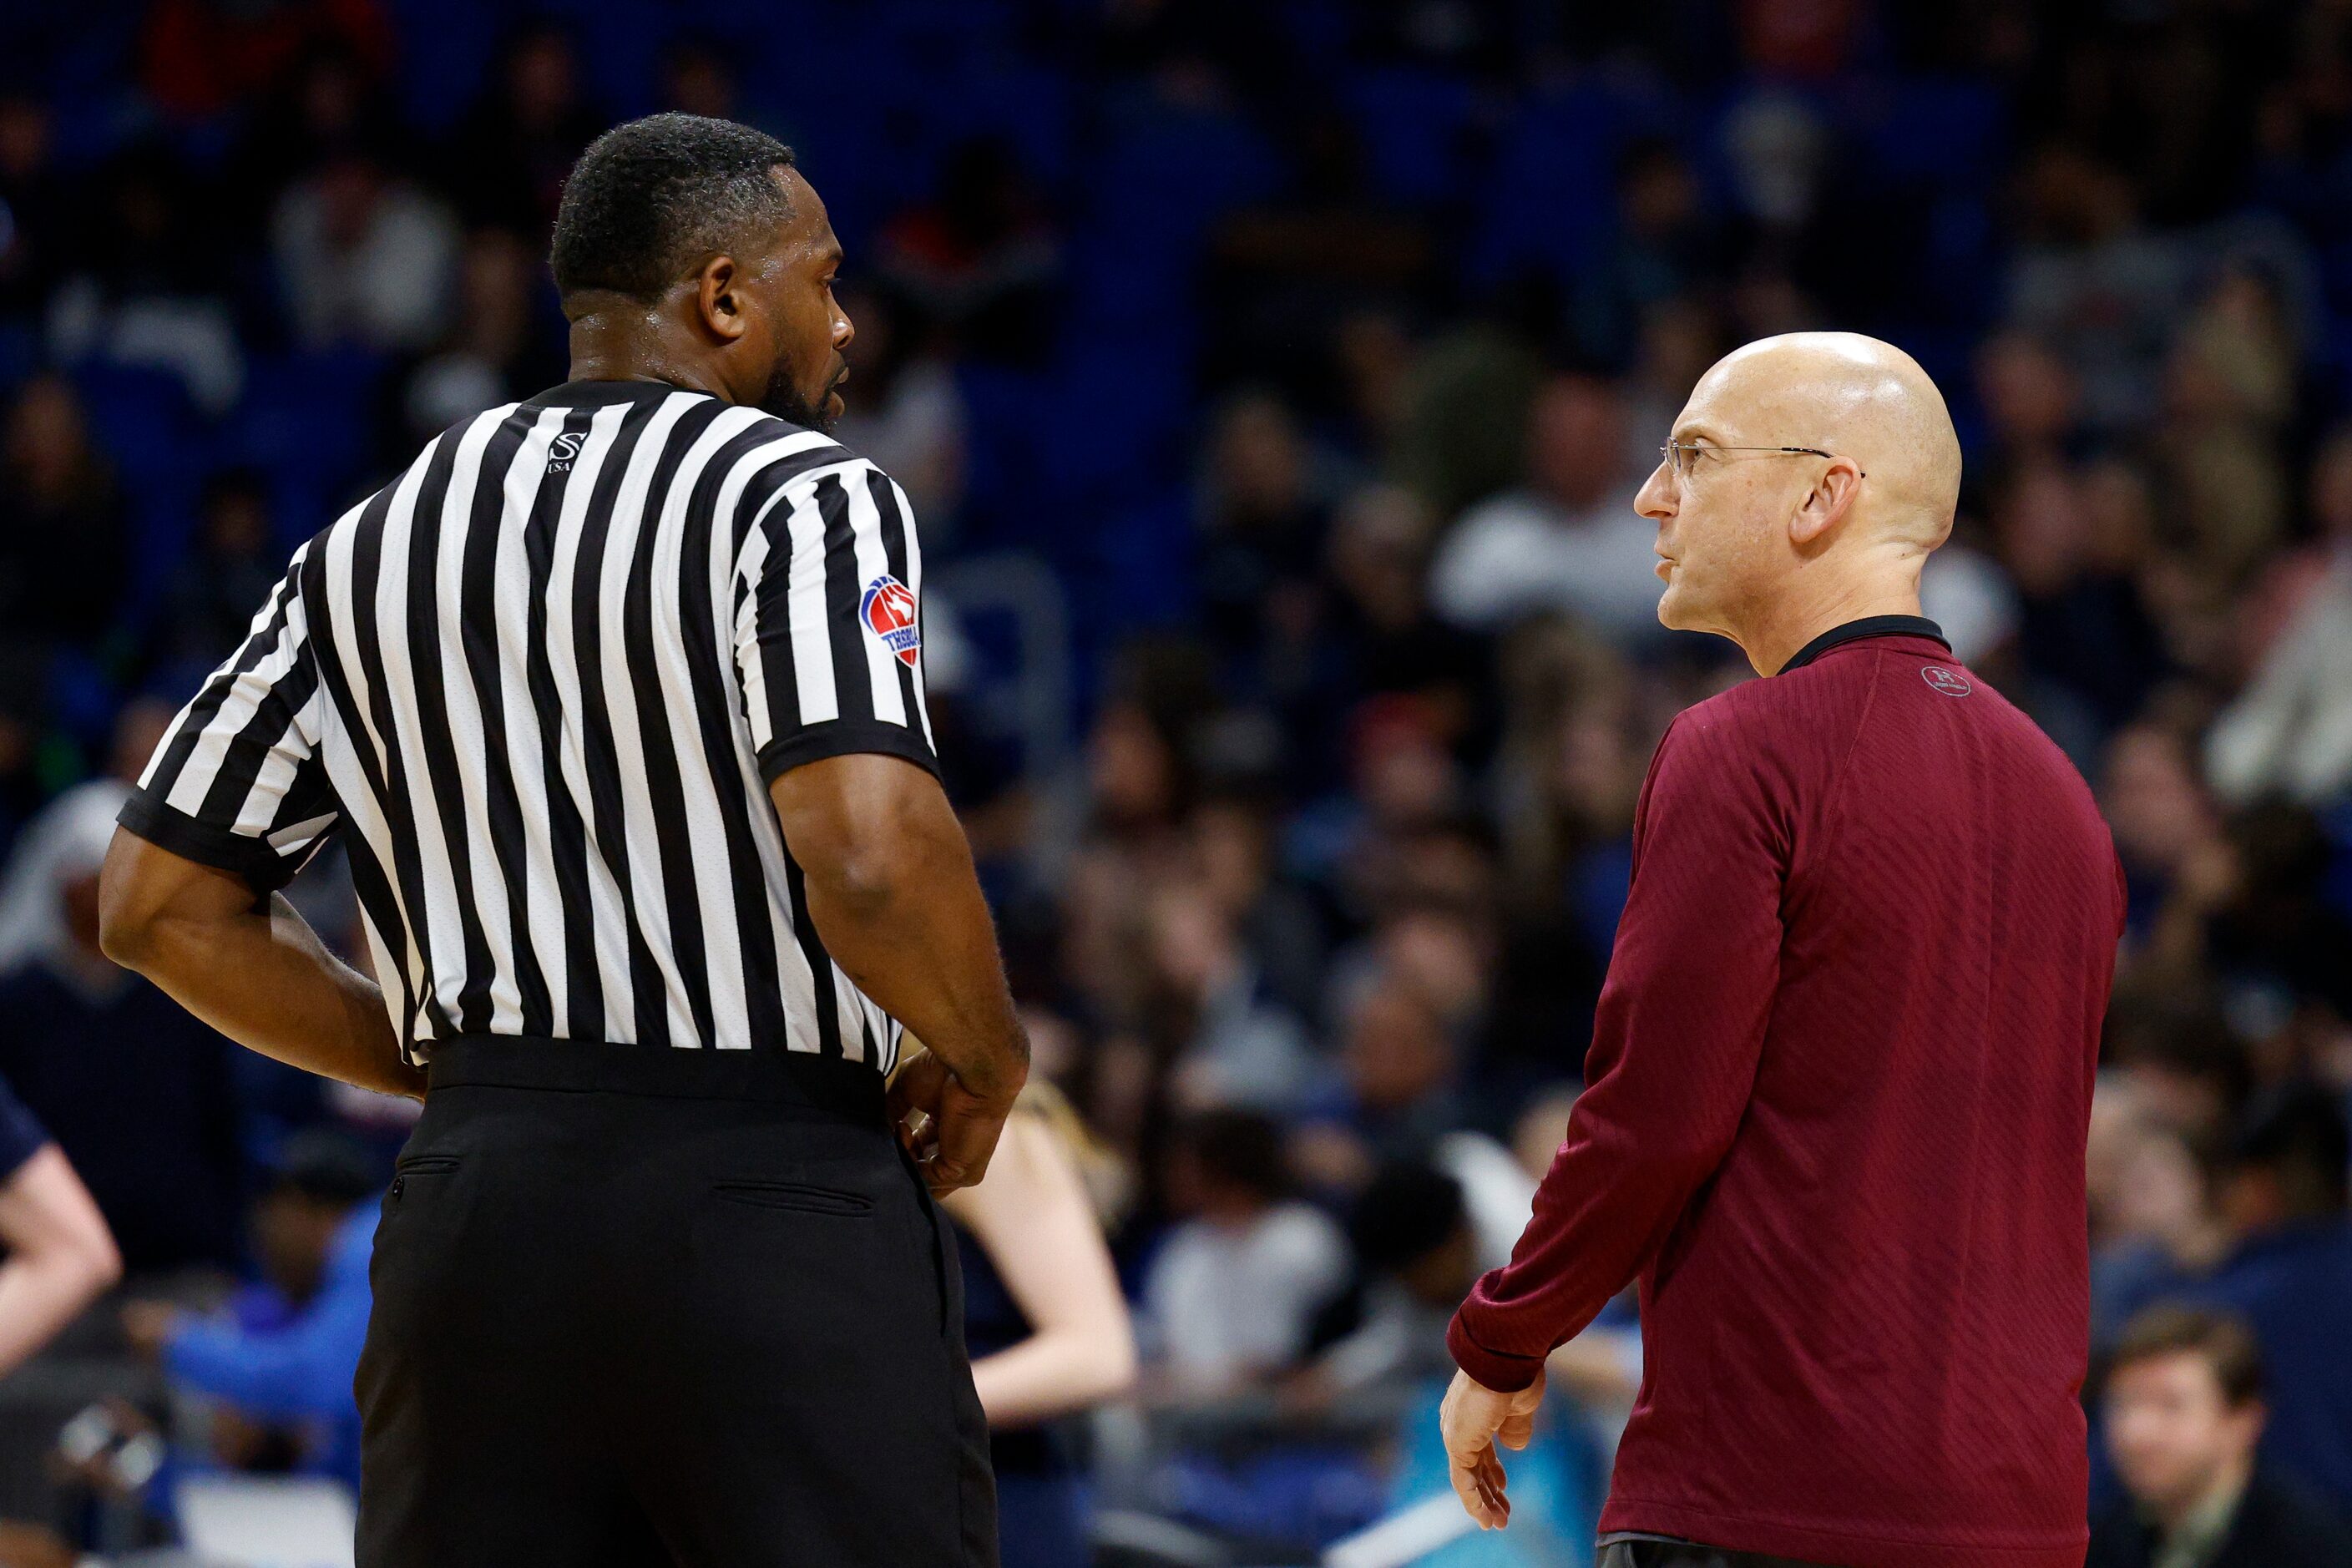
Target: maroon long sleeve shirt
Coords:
[(1834, 1117)]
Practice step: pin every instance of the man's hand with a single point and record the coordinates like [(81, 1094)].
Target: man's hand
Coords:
[(1471, 1419), (949, 1130)]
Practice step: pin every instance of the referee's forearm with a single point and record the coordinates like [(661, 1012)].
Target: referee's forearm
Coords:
[(267, 981), (259, 973), (926, 955), (888, 882)]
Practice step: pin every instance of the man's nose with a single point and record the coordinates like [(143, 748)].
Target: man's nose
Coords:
[(843, 330), (1657, 498)]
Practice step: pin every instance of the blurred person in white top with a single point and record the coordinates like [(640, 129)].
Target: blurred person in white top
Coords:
[(1567, 539)]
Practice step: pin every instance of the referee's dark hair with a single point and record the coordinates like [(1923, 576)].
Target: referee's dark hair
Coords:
[(652, 198)]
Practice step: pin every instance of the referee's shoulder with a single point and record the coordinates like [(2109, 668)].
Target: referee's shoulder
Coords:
[(823, 448), (804, 457)]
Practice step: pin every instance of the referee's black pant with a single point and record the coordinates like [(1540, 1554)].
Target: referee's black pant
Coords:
[(640, 1307)]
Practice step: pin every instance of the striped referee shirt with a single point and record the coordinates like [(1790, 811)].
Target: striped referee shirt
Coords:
[(539, 682)]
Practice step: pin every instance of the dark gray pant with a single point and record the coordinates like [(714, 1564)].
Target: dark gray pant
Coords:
[(1686, 1554)]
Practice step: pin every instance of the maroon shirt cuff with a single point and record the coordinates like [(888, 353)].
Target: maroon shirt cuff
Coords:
[(1503, 1373)]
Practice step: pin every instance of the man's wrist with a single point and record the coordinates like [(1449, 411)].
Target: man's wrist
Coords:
[(1497, 1370)]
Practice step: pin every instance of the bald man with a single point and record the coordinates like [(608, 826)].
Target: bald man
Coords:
[(1839, 1083)]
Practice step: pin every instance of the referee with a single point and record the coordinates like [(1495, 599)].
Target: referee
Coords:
[(616, 698)]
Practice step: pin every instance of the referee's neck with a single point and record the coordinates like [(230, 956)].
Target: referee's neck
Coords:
[(628, 339)]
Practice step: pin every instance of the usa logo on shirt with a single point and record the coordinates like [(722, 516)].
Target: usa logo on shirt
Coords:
[(888, 610)]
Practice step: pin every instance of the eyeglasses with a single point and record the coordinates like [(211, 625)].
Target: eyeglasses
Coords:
[(1682, 456)]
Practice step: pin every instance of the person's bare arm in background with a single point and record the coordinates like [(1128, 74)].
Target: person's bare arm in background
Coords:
[(251, 968), (61, 1256), (890, 886), (1033, 1218)]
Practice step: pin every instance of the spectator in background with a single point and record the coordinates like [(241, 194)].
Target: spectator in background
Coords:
[(698, 76), (506, 164), (2032, 405), (1396, 1093), (1235, 1287), (2229, 392), (59, 1254), (1388, 639), (2289, 731), (284, 1356), (981, 258), (35, 205), (2160, 1231), (2184, 1407), (365, 258), (2169, 838), (207, 606), (2088, 643), (1046, 1327), (905, 412), (2289, 1275), (1661, 244), (64, 541), (2095, 284), (1461, 433), (332, 104), (200, 57), (1232, 843), (1264, 511), (148, 281), (137, 1093), (2271, 929), (493, 352), (1569, 540), (1235, 1045), (1417, 1257)]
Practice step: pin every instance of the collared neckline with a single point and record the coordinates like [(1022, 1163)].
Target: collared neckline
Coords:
[(598, 394), (1868, 626)]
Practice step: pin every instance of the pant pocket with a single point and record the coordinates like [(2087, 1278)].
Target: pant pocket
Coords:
[(800, 1196)]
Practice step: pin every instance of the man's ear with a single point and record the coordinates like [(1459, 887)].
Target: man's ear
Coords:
[(717, 305), (1824, 508)]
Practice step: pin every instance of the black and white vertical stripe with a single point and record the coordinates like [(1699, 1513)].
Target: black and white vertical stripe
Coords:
[(540, 681)]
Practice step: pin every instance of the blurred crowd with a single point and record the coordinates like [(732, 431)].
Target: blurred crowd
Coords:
[(1272, 382)]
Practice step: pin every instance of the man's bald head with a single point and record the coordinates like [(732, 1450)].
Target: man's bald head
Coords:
[(1827, 468), (1860, 398)]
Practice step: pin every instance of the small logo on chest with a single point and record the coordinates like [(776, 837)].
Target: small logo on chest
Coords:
[(1950, 682), (563, 449)]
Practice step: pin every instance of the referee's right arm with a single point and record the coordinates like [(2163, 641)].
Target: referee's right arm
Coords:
[(828, 645), (890, 885)]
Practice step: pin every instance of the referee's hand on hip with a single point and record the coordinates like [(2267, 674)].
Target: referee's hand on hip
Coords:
[(949, 1130)]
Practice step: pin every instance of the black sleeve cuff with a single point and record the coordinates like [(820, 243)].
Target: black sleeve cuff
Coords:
[(264, 869), (841, 737)]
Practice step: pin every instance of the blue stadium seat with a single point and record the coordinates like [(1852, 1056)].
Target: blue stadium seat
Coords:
[(141, 419), (304, 422), (1415, 124)]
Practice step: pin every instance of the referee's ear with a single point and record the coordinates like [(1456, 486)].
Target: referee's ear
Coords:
[(721, 311)]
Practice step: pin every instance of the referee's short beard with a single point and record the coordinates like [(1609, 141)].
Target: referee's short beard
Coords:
[(783, 400)]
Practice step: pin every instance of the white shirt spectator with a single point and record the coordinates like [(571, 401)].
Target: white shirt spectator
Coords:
[(2290, 732), (1225, 1300), (364, 259), (1519, 555)]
